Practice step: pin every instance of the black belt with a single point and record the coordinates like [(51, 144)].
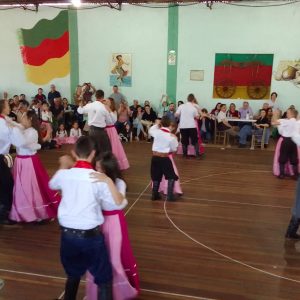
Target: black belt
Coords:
[(81, 233), (95, 127)]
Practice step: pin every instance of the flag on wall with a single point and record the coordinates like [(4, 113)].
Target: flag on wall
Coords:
[(45, 49), (245, 76)]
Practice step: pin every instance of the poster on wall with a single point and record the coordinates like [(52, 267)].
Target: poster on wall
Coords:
[(242, 76), (120, 71), (288, 70)]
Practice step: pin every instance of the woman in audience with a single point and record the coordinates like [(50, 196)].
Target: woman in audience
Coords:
[(116, 145), (223, 124), (233, 113), (217, 109), (272, 102), (123, 116), (137, 124), (68, 114)]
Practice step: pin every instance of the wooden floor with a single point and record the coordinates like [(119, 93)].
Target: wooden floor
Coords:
[(224, 239)]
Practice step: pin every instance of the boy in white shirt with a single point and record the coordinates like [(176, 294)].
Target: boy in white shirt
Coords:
[(164, 143), (80, 215)]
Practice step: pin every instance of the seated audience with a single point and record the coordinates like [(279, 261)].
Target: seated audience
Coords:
[(261, 123), (133, 109), (137, 123), (216, 110), (123, 116), (57, 110), (148, 119), (222, 123), (246, 111), (232, 113), (205, 125), (61, 135)]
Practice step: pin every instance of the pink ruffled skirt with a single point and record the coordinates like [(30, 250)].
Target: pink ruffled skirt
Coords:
[(163, 187), (191, 148), (32, 198), (117, 147), (288, 166), (125, 276)]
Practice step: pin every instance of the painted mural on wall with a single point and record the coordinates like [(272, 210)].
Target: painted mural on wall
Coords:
[(288, 70), (45, 49), (242, 76), (121, 72)]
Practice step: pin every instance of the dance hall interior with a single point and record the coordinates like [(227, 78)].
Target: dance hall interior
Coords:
[(149, 150)]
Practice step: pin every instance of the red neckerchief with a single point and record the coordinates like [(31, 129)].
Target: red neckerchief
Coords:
[(81, 164), (165, 130), (2, 117)]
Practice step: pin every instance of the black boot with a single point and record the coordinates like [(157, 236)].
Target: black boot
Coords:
[(105, 292), (71, 288), (170, 195), (291, 232), (184, 151), (295, 171), (281, 175), (155, 194)]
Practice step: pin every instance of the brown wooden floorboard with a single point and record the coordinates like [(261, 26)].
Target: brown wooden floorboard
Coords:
[(232, 204)]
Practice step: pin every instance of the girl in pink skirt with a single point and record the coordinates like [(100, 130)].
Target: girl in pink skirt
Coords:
[(61, 135), (116, 145), (125, 275), (32, 198), (75, 133), (288, 168)]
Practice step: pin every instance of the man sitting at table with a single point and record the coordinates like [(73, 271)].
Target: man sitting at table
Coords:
[(245, 127)]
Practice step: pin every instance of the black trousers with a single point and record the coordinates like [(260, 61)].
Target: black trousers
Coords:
[(6, 188), (288, 152), (188, 134), (162, 166), (101, 139)]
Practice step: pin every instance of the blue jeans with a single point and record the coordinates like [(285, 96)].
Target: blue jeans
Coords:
[(245, 131), (205, 135), (81, 254), (259, 133), (139, 127)]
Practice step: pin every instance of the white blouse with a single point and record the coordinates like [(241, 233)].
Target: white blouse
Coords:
[(46, 116), (30, 143), (75, 132), (61, 133), (113, 116), (121, 186)]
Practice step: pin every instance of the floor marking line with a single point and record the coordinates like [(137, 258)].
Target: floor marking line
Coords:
[(62, 278), (229, 202), (219, 253), (137, 199), (225, 173)]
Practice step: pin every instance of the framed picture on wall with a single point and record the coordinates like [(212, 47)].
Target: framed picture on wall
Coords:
[(120, 70), (197, 75)]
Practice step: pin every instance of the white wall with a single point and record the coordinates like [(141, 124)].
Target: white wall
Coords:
[(139, 31), (231, 29), (143, 33), (12, 74)]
